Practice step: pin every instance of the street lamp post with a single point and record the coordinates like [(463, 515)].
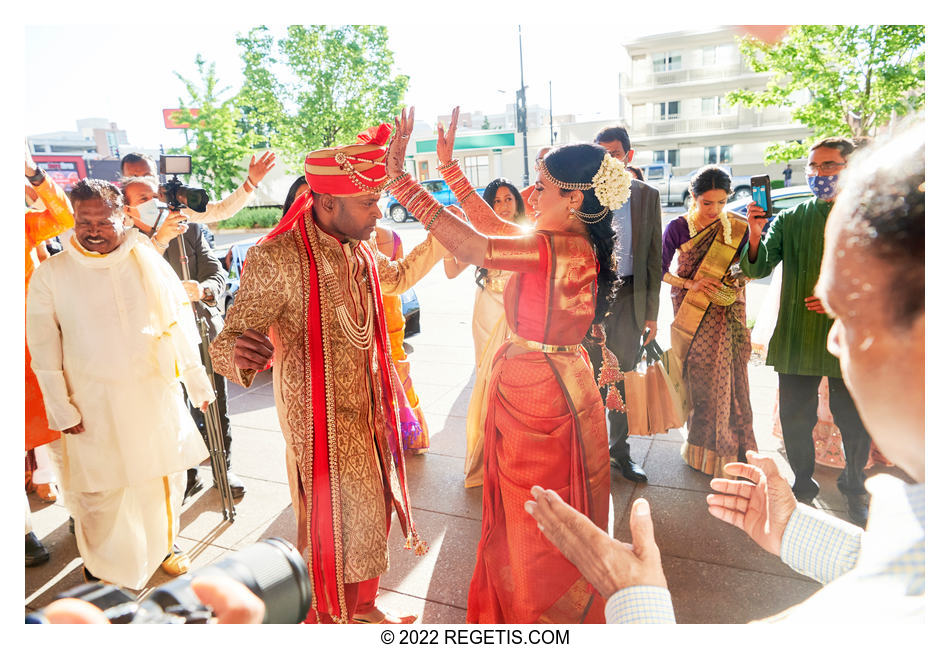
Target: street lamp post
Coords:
[(522, 111)]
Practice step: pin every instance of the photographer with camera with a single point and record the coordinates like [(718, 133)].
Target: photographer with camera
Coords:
[(204, 286), (263, 583), (141, 164)]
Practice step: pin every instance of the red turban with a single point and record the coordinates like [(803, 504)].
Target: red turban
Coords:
[(352, 169)]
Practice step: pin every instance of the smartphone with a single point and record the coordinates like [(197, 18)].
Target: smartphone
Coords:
[(762, 193)]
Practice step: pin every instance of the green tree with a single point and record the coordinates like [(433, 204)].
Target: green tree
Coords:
[(858, 77), (333, 82), (214, 139), (260, 99)]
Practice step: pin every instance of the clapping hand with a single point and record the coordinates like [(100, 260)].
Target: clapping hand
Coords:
[(606, 563), (396, 153), (446, 142), (761, 507)]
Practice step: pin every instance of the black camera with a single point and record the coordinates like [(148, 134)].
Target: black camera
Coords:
[(174, 192), (271, 569)]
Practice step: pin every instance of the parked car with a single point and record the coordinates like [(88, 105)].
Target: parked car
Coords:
[(782, 199), (233, 263), (675, 189), (439, 190)]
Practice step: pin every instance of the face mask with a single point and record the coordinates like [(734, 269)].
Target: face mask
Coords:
[(824, 187), (148, 211)]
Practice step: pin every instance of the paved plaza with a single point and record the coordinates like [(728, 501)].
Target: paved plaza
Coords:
[(715, 573)]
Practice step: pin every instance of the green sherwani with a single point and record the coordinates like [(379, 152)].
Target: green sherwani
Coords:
[(796, 237)]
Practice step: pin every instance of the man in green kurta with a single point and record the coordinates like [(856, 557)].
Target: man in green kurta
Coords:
[(798, 348)]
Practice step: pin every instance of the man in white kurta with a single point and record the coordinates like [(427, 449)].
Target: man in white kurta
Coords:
[(111, 334)]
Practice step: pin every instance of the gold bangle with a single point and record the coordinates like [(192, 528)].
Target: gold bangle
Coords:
[(446, 165), (393, 181)]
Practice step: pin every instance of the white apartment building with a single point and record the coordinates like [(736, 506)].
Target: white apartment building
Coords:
[(675, 99)]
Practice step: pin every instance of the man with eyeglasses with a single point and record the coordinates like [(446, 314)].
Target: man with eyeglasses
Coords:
[(797, 349)]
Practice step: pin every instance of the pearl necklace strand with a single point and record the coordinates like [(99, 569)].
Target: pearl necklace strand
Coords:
[(360, 336)]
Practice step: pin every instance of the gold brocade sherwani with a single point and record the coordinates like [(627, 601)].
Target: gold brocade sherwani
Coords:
[(273, 299)]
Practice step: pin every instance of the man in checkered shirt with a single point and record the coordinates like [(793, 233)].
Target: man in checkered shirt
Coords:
[(872, 282)]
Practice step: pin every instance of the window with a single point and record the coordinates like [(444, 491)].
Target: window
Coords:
[(39, 148), (709, 55), (423, 170), (654, 173), (667, 110), (718, 154), (672, 156), (434, 186), (712, 105), (666, 61), (476, 170)]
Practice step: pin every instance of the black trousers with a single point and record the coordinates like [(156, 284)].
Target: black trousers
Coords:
[(623, 339), (221, 390), (798, 412)]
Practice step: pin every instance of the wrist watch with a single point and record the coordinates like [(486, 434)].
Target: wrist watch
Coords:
[(207, 295), (36, 178)]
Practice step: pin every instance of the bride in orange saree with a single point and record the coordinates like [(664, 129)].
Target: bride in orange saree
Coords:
[(545, 423)]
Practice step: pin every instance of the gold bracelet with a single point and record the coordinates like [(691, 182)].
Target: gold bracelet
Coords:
[(393, 181), (448, 164)]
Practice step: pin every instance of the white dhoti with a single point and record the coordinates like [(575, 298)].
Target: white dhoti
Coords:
[(124, 534)]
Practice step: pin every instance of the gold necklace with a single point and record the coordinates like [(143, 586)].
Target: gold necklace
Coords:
[(360, 336)]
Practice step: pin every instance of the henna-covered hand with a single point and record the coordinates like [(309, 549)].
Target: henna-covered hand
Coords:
[(396, 153), (446, 142)]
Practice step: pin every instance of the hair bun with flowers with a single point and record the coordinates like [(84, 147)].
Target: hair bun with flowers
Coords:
[(611, 183)]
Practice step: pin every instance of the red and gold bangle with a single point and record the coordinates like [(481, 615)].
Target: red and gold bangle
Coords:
[(458, 183), (428, 223), (414, 198)]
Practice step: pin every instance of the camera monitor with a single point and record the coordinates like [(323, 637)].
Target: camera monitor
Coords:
[(174, 164)]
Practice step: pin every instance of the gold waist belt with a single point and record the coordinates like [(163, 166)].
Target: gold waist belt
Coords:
[(496, 284), (534, 345)]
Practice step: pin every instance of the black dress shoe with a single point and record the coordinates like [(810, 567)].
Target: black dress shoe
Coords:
[(858, 509), (630, 469), (36, 552), (193, 486), (237, 487)]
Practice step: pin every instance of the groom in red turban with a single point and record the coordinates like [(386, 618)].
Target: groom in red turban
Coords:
[(310, 299)]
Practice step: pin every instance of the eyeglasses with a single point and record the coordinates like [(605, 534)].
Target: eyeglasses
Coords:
[(826, 167)]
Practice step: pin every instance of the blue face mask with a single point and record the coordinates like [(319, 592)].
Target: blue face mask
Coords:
[(148, 211), (824, 187)]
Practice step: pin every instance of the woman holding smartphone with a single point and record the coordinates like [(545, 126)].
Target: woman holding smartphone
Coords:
[(709, 331)]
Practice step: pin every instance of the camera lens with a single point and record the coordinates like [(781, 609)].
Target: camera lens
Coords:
[(274, 571)]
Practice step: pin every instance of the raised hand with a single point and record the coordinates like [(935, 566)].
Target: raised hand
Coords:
[(446, 141), (257, 169), (396, 153), (761, 508)]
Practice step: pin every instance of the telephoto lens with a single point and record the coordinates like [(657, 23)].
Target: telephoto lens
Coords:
[(271, 569)]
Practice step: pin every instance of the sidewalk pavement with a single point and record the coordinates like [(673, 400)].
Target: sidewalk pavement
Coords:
[(716, 574)]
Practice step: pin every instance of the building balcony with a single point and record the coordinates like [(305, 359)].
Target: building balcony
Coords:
[(696, 81), (743, 119)]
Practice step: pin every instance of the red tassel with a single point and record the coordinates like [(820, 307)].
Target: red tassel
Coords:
[(614, 400), (609, 368)]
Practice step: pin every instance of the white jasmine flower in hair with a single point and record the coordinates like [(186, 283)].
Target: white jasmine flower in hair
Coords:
[(611, 183)]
